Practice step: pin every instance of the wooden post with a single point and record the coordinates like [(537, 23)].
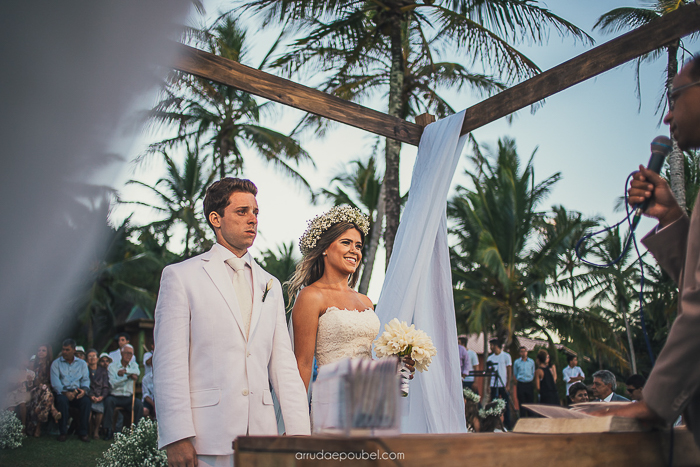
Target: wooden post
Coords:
[(425, 119)]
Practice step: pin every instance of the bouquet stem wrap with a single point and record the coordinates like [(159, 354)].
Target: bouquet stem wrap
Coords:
[(405, 378)]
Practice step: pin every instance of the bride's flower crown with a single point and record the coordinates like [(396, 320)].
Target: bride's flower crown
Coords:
[(320, 224)]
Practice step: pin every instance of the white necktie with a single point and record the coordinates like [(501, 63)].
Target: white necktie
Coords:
[(243, 292)]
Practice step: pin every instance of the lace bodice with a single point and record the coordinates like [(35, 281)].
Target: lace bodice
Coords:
[(345, 333)]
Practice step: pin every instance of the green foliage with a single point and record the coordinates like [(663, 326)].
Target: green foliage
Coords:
[(137, 449), (180, 194), (11, 431), (510, 256), (222, 119), (280, 264)]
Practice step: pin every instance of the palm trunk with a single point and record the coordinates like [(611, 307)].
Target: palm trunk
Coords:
[(374, 237), (675, 159), (392, 147)]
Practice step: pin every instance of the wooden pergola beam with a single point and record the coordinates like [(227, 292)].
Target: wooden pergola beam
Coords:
[(684, 21), (284, 91), (680, 23)]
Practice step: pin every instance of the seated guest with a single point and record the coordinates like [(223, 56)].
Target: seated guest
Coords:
[(148, 362), (17, 386), (635, 384), (604, 385), (578, 392), (80, 352), (149, 406), (492, 417), (99, 389), (471, 410), (123, 374), (41, 399), (70, 379), (122, 339)]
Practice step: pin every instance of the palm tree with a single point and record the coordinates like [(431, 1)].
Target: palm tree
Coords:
[(390, 46), (569, 277), (123, 275), (614, 288), (630, 18), (507, 257), (180, 193), (220, 118), (361, 186)]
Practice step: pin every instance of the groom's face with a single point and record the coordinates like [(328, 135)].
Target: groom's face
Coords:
[(238, 227)]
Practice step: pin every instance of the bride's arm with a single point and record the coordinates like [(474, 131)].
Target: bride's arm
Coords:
[(305, 320)]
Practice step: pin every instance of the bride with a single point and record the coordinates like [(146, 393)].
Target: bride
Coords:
[(330, 320)]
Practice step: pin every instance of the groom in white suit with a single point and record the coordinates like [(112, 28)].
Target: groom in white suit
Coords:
[(221, 339)]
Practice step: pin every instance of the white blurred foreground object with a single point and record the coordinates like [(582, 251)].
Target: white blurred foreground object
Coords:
[(77, 76), (418, 284), (357, 397)]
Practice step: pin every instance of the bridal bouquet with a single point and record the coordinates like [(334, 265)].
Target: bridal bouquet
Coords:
[(402, 340)]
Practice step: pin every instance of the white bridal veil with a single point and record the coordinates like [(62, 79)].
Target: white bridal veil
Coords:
[(418, 284)]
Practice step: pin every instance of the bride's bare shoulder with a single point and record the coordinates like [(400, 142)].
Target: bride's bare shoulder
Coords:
[(365, 299), (310, 298)]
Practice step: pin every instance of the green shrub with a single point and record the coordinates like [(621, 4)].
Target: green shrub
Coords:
[(137, 449), (11, 432)]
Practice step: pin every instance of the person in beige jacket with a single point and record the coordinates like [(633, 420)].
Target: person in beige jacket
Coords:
[(674, 383), (220, 340)]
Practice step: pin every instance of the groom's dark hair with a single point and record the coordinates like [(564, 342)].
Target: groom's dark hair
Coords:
[(218, 194)]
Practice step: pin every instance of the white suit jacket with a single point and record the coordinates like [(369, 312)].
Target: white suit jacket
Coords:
[(210, 382)]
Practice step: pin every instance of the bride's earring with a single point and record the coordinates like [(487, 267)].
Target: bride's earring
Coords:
[(325, 254)]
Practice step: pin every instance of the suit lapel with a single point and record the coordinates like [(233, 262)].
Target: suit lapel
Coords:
[(216, 270), (258, 288)]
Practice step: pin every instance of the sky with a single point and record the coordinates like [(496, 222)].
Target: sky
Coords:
[(594, 133)]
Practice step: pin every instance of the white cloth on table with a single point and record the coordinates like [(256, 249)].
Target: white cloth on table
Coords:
[(418, 283)]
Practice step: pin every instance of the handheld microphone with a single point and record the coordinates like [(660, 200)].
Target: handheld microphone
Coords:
[(660, 148)]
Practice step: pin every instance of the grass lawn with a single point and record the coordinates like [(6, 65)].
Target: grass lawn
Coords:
[(46, 451)]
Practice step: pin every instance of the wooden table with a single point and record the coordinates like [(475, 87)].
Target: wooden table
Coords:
[(479, 449)]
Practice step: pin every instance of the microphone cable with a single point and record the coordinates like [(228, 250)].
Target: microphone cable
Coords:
[(630, 238)]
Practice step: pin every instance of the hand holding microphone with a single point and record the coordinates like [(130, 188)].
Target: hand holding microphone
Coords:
[(649, 193)]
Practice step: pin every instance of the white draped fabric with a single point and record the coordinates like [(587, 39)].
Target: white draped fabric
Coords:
[(418, 286)]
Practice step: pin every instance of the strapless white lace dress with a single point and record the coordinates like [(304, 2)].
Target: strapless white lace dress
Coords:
[(341, 334)]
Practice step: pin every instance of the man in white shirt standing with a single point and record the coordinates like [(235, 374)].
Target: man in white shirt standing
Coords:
[(572, 372), (501, 384), (123, 338)]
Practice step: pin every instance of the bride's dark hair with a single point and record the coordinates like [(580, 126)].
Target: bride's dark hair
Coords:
[(311, 267)]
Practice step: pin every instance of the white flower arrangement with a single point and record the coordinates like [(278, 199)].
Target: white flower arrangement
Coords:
[(471, 395), (401, 340), (135, 449), (11, 432), (320, 224), (494, 411)]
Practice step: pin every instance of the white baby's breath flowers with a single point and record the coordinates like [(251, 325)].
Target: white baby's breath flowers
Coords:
[(401, 339), (320, 224), (495, 411)]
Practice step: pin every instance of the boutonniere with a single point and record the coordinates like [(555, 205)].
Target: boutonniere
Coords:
[(267, 289)]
